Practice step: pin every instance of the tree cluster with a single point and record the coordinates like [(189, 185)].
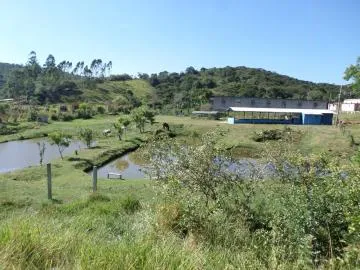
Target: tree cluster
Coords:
[(52, 82), (192, 88)]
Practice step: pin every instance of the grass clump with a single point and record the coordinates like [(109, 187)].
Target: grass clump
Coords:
[(97, 197), (130, 204)]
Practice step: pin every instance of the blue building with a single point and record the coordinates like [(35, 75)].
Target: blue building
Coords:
[(247, 115)]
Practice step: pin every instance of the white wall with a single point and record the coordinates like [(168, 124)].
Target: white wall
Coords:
[(347, 107), (332, 107)]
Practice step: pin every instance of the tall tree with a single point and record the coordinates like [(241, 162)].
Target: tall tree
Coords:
[(353, 73), (32, 66)]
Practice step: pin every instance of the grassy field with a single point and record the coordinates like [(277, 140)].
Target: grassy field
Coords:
[(110, 90), (312, 139), (117, 227)]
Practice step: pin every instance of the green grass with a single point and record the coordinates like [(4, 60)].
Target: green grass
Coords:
[(117, 227), (314, 139), (110, 90)]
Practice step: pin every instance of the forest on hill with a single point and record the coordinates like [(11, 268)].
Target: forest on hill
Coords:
[(64, 82), (5, 70)]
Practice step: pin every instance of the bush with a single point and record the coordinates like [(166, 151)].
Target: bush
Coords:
[(308, 212), (268, 135), (100, 110), (87, 135), (54, 117), (85, 111), (32, 115), (66, 117), (6, 130), (120, 77)]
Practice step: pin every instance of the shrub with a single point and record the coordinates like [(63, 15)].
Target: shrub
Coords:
[(66, 117), (120, 77), (32, 115), (267, 135), (7, 130), (87, 135), (85, 111), (54, 117), (100, 110)]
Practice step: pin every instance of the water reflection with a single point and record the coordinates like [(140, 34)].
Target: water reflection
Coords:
[(21, 154)]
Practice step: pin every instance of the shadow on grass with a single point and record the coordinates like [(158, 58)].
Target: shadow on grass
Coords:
[(55, 201)]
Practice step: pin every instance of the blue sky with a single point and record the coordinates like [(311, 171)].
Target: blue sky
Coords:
[(308, 39)]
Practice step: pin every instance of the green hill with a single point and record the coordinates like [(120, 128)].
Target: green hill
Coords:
[(110, 90), (193, 87), (189, 89)]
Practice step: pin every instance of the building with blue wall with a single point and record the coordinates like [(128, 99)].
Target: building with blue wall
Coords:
[(247, 115)]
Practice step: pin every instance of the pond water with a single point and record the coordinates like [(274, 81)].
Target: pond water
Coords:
[(130, 171), (21, 154), (246, 168)]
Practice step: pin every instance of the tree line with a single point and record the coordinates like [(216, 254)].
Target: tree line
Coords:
[(191, 89), (51, 81)]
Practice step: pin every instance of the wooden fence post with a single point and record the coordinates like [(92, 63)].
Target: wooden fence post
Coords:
[(49, 187), (94, 179)]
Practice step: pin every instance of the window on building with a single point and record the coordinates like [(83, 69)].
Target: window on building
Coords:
[(299, 104), (283, 104), (223, 101), (268, 103), (315, 104), (252, 102)]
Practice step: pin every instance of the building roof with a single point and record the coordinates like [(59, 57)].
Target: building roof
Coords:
[(280, 110), (205, 112), (353, 101), (272, 99), (6, 100)]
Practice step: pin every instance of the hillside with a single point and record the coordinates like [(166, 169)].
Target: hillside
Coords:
[(193, 87), (189, 89), (5, 70)]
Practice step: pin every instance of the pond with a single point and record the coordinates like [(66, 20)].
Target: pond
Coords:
[(246, 168), (123, 166), (21, 154)]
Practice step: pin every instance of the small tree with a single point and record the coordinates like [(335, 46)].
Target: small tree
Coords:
[(87, 135), (141, 116), (61, 140), (121, 125), (137, 115), (42, 148), (85, 111), (150, 116)]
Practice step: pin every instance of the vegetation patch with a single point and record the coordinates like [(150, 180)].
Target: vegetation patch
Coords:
[(122, 164), (276, 134), (130, 204)]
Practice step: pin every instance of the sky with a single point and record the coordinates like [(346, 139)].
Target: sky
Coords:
[(313, 40)]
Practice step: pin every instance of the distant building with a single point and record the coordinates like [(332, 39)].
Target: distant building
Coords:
[(249, 115), (208, 114), (7, 100), (350, 105), (221, 103), (332, 107)]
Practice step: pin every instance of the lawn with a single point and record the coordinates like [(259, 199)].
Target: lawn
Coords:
[(117, 227), (313, 139)]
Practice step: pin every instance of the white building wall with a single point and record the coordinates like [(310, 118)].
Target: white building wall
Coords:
[(332, 107), (348, 107)]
